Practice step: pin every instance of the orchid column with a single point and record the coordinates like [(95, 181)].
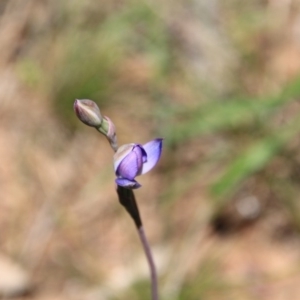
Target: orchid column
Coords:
[(130, 161)]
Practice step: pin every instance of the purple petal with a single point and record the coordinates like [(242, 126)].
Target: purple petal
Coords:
[(144, 154), (153, 150), (131, 165), (121, 153), (130, 184)]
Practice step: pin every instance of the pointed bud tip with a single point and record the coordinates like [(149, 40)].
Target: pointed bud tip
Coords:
[(88, 112)]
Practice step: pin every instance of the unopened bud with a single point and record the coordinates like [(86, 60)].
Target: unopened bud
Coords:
[(88, 112), (109, 130)]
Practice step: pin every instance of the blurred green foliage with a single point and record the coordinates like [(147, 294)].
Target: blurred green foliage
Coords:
[(241, 114), (251, 118)]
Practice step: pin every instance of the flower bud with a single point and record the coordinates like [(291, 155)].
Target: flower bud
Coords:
[(88, 112), (111, 133)]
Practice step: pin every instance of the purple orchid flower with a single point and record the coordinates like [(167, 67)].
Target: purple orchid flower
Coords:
[(132, 160)]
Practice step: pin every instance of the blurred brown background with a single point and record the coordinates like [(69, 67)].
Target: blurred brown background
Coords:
[(218, 80)]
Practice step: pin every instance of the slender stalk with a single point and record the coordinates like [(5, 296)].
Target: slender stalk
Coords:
[(127, 199), (154, 285)]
